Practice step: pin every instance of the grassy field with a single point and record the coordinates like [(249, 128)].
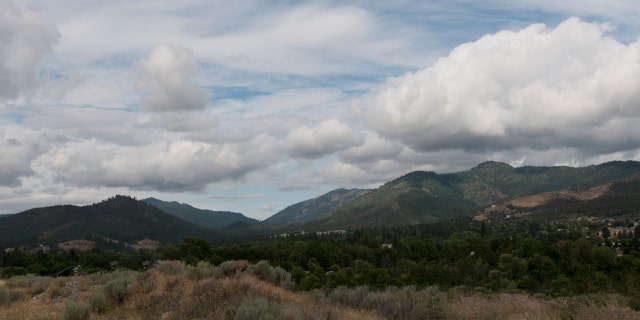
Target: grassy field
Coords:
[(238, 290)]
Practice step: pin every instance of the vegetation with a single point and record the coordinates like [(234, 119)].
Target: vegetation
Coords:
[(171, 291), (554, 259), (568, 254), (420, 196), (307, 210), (118, 222), (205, 218)]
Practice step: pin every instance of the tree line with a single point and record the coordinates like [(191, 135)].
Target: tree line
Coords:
[(554, 259)]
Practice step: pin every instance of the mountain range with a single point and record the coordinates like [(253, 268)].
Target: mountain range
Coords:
[(119, 221), (308, 210), (206, 218), (490, 190)]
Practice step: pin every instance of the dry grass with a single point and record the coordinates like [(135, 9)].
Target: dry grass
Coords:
[(176, 291)]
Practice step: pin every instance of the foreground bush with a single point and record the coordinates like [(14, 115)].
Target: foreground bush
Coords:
[(9, 296), (76, 311)]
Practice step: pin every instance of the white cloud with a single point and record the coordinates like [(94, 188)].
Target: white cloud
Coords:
[(168, 78), (325, 138), (19, 148), (537, 88), (373, 149), (24, 39), (178, 165)]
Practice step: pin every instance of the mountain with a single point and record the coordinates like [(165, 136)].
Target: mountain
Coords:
[(615, 201), (119, 220), (306, 210), (423, 196), (206, 218)]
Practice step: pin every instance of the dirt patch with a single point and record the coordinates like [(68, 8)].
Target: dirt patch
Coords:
[(542, 198)]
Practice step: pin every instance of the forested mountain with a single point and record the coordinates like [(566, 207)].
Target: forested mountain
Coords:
[(306, 210), (205, 218), (616, 202), (117, 220), (414, 198), (426, 196)]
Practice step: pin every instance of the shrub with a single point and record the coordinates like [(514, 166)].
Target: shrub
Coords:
[(201, 270), (283, 278), (172, 267), (291, 312), (26, 281), (255, 309), (76, 311), (232, 268), (98, 303), (9, 272), (353, 297), (116, 290), (263, 271), (9, 296)]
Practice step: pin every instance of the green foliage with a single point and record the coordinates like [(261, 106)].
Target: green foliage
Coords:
[(9, 296), (76, 311), (116, 289), (255, 309), (12, 271), (194, 249), (98, 303)]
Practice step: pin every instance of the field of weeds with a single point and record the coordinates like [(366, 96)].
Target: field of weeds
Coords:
[(239, 290)]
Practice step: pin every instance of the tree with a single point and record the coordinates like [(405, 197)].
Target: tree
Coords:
[(605, 232), (194, 249)]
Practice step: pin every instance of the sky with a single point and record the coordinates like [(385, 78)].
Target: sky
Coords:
[(252, 106)]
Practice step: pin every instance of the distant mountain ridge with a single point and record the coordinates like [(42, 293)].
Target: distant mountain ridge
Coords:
[(307, 210), (422, 196), (119, 219), (414, 198), (206, 218)]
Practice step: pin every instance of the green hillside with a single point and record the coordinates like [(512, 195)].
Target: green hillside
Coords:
[(205, 218), (426, 196), (119, 219), (304, 211)]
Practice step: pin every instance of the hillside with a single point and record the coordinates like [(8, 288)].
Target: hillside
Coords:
[(617, 201), (426, 196), (206, 218), (306, 210), (116, 221)]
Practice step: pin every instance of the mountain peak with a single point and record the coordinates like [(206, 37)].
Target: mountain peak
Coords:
[(492, 165)]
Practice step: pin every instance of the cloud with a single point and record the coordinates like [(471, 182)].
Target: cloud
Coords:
[(373, 149), (536, 88), (178, 165), (325, 138), (238, 197), (19, 148), (25, 38), (168, 75)]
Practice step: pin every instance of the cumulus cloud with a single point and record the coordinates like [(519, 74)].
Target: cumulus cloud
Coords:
[(327, 137), (25, 38), (19, 148), (179, 165), (168, 78), (537, 88), (374, 148)]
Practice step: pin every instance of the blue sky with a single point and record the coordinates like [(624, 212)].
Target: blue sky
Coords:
[(251, 106)]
